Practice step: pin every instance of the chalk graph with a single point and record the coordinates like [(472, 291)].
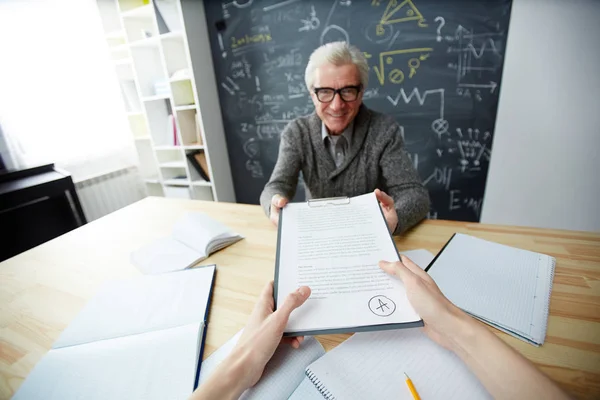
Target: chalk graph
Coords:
[(476, 54), (439, 125)]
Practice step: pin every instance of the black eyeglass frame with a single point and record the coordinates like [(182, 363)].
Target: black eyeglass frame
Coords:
[(338, 91)]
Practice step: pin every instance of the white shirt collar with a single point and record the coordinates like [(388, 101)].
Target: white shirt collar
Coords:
[(347, 134)]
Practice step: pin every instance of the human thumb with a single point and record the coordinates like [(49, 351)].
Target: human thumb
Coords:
[(281, 202), (394, 268), (294, 300)]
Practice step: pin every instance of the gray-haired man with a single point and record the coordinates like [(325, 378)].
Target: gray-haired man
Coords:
[(345, 149)]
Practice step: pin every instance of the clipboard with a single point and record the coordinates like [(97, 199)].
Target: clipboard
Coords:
[(333, 202), (328, 201)]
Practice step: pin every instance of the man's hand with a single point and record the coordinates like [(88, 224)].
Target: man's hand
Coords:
[(277, 203), (389, 212)]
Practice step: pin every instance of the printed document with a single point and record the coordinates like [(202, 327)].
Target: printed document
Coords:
[(334, 246)]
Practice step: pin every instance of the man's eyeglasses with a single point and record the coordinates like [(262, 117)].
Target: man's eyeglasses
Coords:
[(348, 93)]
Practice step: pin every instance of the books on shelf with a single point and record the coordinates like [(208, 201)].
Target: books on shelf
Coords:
[(198, 161), (172, 131), (198, 129), (137, 338), (194, 237)]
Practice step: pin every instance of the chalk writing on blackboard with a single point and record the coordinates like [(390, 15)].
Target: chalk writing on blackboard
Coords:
[(435, 66)]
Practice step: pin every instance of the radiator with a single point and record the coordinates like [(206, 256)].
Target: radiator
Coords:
[(106, 193)]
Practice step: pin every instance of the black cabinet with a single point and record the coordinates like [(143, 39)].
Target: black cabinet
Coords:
[(36, 204)]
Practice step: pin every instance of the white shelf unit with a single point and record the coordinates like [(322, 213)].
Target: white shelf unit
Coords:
[(148, 44)]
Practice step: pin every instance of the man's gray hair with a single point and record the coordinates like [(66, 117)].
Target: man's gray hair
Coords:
[(336, 53)]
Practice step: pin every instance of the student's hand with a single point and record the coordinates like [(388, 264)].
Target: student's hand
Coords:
[(441, 317), (244, 366), (389, 212), (277, 203), (264, 330)]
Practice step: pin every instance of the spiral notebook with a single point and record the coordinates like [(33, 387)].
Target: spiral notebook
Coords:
[(503, 286)]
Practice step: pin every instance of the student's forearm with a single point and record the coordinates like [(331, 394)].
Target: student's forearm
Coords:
[(224, 383), (504, 372)]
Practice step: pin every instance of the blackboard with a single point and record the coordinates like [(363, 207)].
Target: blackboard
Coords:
[(436, 66)]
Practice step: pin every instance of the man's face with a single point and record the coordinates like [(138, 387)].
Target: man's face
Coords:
[(336, 114)]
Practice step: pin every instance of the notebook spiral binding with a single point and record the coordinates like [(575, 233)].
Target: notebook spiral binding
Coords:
[(547, 303), (327, 395)]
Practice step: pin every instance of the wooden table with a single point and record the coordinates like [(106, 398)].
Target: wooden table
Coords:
[(43, 289)]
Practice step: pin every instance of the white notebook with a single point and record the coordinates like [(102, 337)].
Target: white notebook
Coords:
[(195, 236), (139, 338), (506, 287)]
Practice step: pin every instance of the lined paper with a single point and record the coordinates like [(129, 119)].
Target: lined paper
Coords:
[(503, 285), (371, 366), (283, 373)]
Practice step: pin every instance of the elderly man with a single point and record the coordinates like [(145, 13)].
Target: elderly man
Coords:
[(345, 149)]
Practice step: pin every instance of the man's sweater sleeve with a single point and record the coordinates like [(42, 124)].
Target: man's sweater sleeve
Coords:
[(284, 178), (403, 183)]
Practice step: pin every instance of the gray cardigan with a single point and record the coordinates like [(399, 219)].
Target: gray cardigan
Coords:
[(376, 159)]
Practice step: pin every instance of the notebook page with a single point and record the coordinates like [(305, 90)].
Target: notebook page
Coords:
[(372, 365), (335, 250), (421, 257), (283, 372), (156, 365), (164, 255), (211, 362), (197, 230), (141, 304), (542, 298), (306, 390), (492, 281)]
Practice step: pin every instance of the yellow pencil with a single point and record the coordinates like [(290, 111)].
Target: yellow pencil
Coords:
[(411, 387)]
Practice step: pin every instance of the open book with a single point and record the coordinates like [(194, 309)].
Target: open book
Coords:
[(139, 338), (195, 236), (334, 246), (506, 287), (368, 365)]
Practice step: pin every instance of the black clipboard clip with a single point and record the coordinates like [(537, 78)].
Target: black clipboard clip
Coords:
[(329, 201)]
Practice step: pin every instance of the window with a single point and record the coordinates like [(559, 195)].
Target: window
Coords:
[(60, 100)]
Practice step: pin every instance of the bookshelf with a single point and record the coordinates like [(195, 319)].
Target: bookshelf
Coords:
[(149, 47)]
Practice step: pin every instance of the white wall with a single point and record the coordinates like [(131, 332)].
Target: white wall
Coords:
[(545, 166)]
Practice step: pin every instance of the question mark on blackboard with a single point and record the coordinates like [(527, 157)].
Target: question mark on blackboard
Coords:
[(439, 29)]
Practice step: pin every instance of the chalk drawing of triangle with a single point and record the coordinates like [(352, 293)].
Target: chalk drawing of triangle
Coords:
[(405, 11)]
